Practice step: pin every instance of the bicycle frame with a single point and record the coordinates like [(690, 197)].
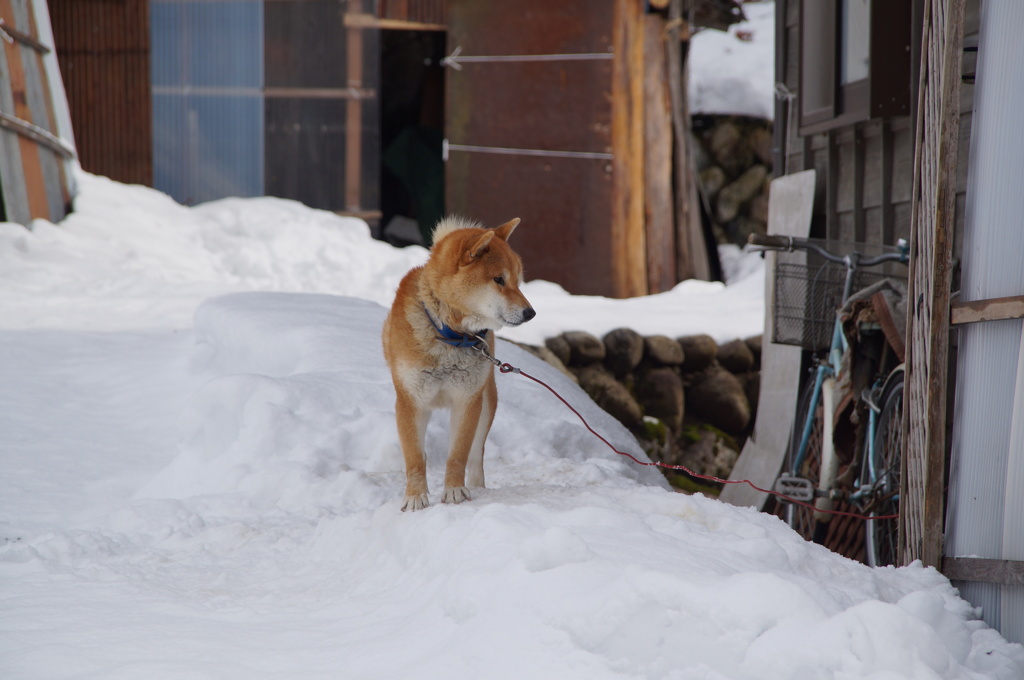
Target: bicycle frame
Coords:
[(824, 384), (869, 484), (825, 377)]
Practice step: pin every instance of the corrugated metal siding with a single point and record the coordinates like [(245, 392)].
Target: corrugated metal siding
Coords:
[(103, 49), (33, 181), (986, 499), (207, 75)]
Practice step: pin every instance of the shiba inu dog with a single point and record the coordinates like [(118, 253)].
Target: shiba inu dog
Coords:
[(443, 313)]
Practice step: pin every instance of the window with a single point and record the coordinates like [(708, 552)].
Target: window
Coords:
[(854, 61)]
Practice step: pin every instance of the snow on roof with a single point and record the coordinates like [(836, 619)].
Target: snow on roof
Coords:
[(733, 72)]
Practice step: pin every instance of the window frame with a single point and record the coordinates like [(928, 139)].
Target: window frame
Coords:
[(826, 103)]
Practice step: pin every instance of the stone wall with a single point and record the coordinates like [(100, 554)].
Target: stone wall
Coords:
[(688, 400), (734, 162)]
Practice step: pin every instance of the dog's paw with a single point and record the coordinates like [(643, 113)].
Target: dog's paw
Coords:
[(456, 494), (417, 502)]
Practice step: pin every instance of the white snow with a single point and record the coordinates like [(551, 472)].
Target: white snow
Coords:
[(200, 478), (733, 72)]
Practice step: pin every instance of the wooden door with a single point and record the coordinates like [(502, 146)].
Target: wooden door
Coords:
[(539, 126)]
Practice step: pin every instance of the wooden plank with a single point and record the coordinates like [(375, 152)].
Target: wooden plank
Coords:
[(980, 570), (790, 203), (629, 266), (996, 309), (658, 205), (27, 39), (691, 247), (360, 20)]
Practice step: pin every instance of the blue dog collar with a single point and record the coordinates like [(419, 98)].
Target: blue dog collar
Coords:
[(449, 336)]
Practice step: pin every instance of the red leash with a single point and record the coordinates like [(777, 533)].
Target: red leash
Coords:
[(508, 368)]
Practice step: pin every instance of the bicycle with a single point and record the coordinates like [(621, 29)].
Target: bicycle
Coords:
[(811, 305)]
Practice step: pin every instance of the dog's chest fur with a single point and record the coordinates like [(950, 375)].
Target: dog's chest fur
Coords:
[(447, 372)]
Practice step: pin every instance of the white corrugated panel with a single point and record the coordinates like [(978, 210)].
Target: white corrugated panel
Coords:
[(986, 509)]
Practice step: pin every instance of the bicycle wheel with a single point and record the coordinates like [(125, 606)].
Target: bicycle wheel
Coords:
[(797, 516), (881, 534)]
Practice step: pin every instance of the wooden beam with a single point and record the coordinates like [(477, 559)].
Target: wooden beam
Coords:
[(362, 20), (628, 241), (980, 570), (996, 309), (691, 247), (22, 37), (658, 206)]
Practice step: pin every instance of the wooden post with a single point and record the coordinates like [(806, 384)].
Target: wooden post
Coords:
[(629, 243), (931, 245), (658, 206), (691, 248)]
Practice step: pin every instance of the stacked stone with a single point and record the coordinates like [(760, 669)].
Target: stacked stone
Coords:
[(734, 162), (689, 400)]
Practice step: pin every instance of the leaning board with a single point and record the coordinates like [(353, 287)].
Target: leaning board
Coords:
[(790, 201)]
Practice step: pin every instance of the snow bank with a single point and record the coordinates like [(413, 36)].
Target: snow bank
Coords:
[(129, 257), (298, 412), (222, 501), (272, 545)]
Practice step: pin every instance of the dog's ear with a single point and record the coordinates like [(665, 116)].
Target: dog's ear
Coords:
[(505, 230), (477, 247)]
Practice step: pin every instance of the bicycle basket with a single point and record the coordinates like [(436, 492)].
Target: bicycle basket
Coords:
[(808, 290)]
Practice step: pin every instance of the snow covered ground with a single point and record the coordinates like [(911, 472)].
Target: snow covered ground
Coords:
[(200, 478)]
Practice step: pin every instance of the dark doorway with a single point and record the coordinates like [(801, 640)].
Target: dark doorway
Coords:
[(412, 132)]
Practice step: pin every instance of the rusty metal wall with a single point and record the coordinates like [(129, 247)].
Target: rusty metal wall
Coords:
[(103, 50), (529, 120), (419, 11)]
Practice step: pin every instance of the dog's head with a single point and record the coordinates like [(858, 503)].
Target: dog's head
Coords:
[(475, 273)]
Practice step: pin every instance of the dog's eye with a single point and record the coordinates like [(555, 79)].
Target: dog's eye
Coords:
[(500, 280)]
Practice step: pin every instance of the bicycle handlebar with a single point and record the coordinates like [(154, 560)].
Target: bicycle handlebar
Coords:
[(790, 243)]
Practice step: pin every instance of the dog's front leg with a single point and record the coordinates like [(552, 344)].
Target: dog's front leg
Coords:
[(464, 422), (412, 427), (475, 466)]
